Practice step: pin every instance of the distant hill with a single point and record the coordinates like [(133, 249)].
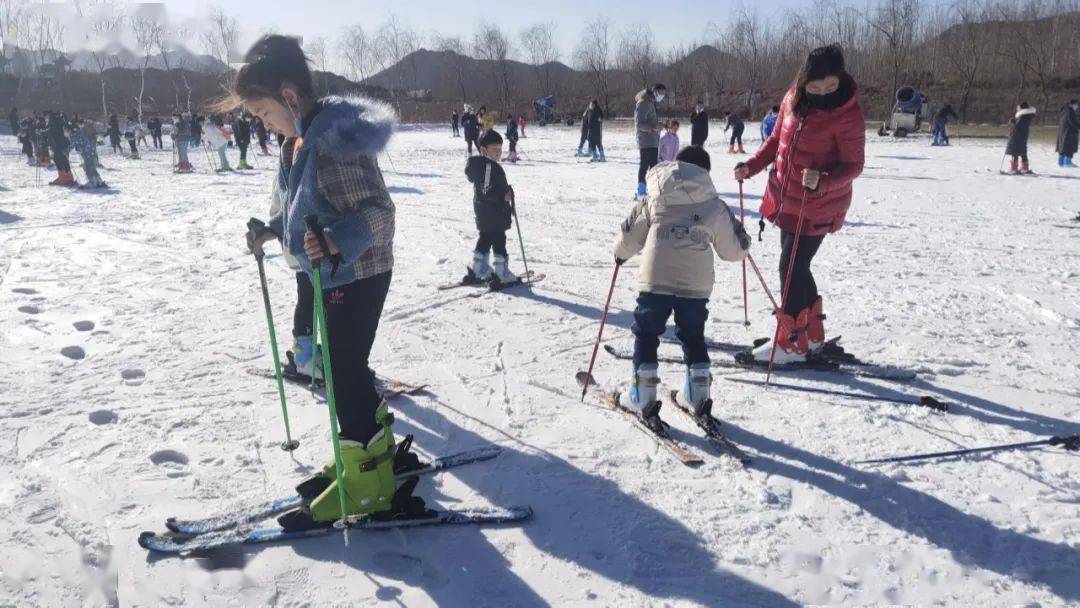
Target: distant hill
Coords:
[(21, 61)]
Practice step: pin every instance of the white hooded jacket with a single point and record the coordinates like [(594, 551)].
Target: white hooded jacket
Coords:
[(676, 228)]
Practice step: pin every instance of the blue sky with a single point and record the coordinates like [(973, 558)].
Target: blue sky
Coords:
[(674, 21)]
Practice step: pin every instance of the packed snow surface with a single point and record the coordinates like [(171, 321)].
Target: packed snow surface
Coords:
[(128, 320)]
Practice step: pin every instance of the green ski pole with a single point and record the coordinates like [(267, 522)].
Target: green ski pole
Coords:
[(290, 444), (521, 242), (328, 374)]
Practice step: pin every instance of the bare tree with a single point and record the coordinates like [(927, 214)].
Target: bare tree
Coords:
[(539, 43), (106, 27), (453, 44), (895, 22), (750, 42), (395, 42), (966, 46), (148, 27), (175, 59), (491, 44), (637, 52), (221, 37), (679, 74), (315, 49), (593, 55), (358, 53)]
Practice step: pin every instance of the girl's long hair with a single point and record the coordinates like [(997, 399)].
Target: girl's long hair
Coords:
[(271, 64)]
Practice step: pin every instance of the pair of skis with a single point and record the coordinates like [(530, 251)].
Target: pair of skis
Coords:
[(234, 527), (526, 279), (709, 425), (387, 387)]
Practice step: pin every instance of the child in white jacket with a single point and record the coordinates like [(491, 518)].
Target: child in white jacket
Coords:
[(676, 228)]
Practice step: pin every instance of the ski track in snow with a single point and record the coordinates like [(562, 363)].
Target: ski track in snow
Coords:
[(127, 320)]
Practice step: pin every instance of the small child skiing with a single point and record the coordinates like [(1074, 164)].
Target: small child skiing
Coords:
[(242, 132), (735, 124), (669, 142), (512, 137), (218, 139), (676, 228), (492, 200), (769, 122), (114, 133), (181, 135), (521, 125), (130, 133), (1018, 139), (329, 168), (26, 138), (60, 145), (84, 140)]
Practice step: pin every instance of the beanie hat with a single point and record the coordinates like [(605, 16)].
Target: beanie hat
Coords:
[(824, 61), (490, 138), (695, 155)]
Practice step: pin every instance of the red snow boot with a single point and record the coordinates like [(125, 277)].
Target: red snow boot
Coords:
[(815, 326), (731, 149), (791, 342), (65, 179), (740, 150), (1024, 167), (1013, 167)]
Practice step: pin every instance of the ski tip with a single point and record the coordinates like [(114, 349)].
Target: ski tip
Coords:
[(583, 378), (145, 538), (170, 523)]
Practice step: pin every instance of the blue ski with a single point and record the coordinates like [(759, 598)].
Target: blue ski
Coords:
[(172, 542), (259, 512)]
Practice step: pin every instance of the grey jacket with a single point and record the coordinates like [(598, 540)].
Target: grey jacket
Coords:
[(676, 229), (645, 120)]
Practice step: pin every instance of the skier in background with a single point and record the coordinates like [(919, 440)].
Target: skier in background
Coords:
[(594, 117), (242, 132), (492, 201), (512, 137), (699, 125), (84, 140), (1068, 128), (60, 145), (218, 139), (676, 228), (41, 142), (829, 132), (181, 135), (1018, 139), (471, 127), (939, 125), (647, 131), (669, 142), (343, 186), (454, 125), (197, 131), (131, 133), (262, 136), (13, 119), (769, 123), (521, 124), (733, 122), (26, 138), (154, 125), (584, 133), (114, 133)]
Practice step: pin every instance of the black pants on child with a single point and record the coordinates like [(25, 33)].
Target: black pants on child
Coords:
[(803, 290), (158, 143), (492, 241), (352, 318), (1022, 157), (60, 157), (648, 159), (134, 147), (736, 136), (305, 306), (650, 322), (243, 145)]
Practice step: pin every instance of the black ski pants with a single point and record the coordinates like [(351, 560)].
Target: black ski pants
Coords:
[(492, 241), (352, 319), (802, 291), (648, 159)]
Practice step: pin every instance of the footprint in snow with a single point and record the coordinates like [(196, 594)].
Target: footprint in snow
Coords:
[(83, 325), (25, 290), (100, 417), (73, 352), (166, 456), (30, 310), (132, 374)]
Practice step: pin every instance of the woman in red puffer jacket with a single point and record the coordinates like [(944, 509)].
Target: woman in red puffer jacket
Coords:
[(817, 152)]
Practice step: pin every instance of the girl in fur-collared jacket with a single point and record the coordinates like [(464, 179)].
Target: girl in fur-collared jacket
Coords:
[(1018, 138), (329, 169)]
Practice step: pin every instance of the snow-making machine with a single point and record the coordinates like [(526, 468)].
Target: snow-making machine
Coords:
[(912, 107)]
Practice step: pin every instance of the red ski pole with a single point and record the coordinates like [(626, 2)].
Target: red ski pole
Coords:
[(603, 320), (765, 286), (787, 283), (742, 220)]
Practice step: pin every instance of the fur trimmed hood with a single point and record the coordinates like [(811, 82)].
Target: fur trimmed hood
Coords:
[(348, 127), (1025, 112)]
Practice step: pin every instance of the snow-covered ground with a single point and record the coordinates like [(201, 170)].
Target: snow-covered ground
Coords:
[(128, 319)]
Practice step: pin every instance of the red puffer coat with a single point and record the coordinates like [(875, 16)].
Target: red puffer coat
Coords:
[(831, 141)]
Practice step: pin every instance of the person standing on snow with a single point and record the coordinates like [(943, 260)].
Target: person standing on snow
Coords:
[(512, 137), (584, 133), (733, 122), (471, 127), (816, 152), (262, 136), (647, 131), (329, 168), (676, 228), (1068, 128), (13, 119), (493, 201), (26, 138), (84, 140), (699, 125), (454, 125), (60, 145), (594, 118), (114, 133), (939, 126), (181, 136), (521, 125), (242, 132), (769, 122), (669, 142), (154, 125), (1018, 138)]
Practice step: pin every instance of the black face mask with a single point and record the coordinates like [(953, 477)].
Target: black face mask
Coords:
[(829, 101)]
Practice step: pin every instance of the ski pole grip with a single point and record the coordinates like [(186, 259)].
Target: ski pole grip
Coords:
[(312, 222)]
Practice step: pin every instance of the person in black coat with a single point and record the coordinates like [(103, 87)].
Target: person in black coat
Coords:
[(939, 126), (699, 125), (471, 126), (454, 125), (114, 132), (594, 124), (492, 204), (242, 134), (1018, 138), (57, 136), (512, 137), (1068, 129), (26, 138), (154, 125), (13, 118), (261, 135), (736, 125)]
